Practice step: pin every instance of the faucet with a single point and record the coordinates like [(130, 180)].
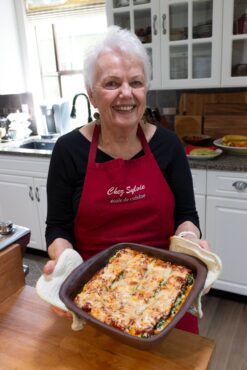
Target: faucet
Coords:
[(73, 110)]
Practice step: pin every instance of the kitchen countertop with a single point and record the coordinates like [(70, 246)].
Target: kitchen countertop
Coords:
[(225, 162), (11, 148), (33, 337)]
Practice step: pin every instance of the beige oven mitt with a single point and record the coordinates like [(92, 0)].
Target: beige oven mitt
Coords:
[(211, 260), (48, 286)]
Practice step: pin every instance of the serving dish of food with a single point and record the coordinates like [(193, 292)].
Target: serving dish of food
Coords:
[(134, 292), (235, 144), (198, 139), (202, 153)]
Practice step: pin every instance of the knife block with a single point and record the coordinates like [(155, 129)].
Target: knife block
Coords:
[(12, 277)]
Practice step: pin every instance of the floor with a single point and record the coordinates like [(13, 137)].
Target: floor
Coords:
[(224, 321)]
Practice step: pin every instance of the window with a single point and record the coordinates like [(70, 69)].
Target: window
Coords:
[(58, 40)]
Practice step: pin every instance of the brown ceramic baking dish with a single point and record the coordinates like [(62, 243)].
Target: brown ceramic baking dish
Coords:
[(76, 280)]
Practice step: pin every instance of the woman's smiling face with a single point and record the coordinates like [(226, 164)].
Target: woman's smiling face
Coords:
[(119, 90)]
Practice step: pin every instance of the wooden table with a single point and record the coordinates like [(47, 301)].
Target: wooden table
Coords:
[(32, 337)]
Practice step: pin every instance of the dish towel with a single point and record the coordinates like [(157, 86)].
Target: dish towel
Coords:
[(48, 286), (211, 260)]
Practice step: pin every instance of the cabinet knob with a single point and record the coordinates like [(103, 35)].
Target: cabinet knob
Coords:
[(31, 193), (163, 23), (240, 185), (154, 24)]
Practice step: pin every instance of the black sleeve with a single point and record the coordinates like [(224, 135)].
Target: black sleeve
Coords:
[(61, 186), (172, 160), (182, 187)]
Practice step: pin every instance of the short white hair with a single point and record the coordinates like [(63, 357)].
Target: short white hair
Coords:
[(115, 39)]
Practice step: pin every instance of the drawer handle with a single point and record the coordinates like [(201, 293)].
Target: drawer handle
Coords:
[(163, 23), (154, 24), (240, 185)]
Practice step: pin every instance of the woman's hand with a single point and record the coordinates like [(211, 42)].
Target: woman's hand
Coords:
[(201, 242), (61, 312), (192, 233), (54, 251)]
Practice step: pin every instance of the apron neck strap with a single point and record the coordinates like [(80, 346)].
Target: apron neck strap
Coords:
[(95, 140)]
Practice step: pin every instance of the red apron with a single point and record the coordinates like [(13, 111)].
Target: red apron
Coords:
[(124, 201)]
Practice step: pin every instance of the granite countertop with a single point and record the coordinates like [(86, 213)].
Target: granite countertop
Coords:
[(225, 162)]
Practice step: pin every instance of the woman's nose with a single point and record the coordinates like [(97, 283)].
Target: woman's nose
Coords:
[(126, 89)]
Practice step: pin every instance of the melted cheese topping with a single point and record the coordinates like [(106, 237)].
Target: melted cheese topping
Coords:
[(135, 292)]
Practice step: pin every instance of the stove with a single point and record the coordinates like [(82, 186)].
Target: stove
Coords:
[(18, 234)]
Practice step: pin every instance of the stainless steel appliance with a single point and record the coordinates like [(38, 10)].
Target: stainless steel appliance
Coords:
[(56, 117), (11, 233)]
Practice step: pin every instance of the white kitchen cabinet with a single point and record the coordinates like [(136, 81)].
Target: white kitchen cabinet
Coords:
[(226, 222), (12, 80), (234, 46), (191, 43), (141, 17), (23, 194), (182, 37), (199, 184)]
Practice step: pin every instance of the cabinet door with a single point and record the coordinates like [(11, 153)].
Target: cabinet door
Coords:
[(234, 52), (226, 229), (18, 205), (191, 43), (142, 18), (11, 68), (41, 201)]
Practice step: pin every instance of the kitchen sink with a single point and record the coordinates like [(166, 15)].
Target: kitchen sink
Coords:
[(47, 145)]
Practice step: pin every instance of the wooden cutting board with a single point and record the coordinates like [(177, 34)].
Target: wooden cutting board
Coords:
[(193, 103), (187, 125), (220, 125), (33, 337), (225, 109)]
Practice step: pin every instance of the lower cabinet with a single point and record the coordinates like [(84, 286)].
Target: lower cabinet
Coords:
[(23, 196), (221, 201), (226, 223)]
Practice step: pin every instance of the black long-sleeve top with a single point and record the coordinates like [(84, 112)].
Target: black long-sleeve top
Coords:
[(68, 169)]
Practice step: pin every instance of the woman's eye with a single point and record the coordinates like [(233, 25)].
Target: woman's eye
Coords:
[(111, 85), (136, 83)]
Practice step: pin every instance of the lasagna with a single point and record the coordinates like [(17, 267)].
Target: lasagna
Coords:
[(136, 292)]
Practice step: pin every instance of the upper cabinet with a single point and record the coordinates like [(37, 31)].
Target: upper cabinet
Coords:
[(12, 79), (234, 49), (191, 43)]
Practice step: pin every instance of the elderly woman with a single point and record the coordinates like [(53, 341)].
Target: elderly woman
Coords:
[(119, 178)]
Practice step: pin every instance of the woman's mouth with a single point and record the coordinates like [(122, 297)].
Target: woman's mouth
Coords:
[(124, 108)]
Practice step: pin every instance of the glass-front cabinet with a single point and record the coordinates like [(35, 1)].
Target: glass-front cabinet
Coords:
[(234, 51), (141, 17), (191, 43)]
